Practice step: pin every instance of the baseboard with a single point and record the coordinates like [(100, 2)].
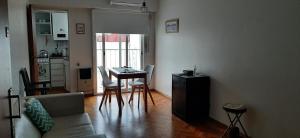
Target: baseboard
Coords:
[(219, 123), (169, 97)]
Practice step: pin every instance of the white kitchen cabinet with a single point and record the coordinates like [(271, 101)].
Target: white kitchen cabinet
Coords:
[(60, 25), (43, 22), (57, 72)]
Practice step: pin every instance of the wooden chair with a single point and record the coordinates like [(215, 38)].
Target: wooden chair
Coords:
[(108, 85), (139, 84), (30, 86)]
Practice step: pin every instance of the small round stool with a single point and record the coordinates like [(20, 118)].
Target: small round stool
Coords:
[(238, 110)]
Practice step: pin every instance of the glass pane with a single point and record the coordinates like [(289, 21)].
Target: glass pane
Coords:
[(123, 50), (99, 48), (134, 51), (112, 50)]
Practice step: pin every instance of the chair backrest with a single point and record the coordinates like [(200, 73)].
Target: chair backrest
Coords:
[(149, 69), (27, 83), (104, 75)]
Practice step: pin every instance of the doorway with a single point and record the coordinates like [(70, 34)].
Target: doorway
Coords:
[(118, 50)]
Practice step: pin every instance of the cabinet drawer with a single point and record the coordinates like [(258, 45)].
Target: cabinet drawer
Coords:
[(61, 61), (57, 78), (57, 72), (57, 66)]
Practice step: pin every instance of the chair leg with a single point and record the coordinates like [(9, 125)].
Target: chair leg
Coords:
[(131, 95), (102, 100), (122, 100), (110, 97), (142, 90), (139, 97), (150, 95), (107, 96)]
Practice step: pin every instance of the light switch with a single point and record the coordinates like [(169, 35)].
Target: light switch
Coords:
[(6, 32)]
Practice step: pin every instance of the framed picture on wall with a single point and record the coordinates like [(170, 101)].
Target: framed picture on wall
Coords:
[(172, 26), (80, 28)]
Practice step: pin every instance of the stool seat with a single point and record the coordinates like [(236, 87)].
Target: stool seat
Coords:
[(234, 108)]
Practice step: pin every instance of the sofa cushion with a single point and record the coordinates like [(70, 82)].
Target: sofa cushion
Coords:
[(25, 129), (71, 126), (72, 121), (38, 115), (73, 132)]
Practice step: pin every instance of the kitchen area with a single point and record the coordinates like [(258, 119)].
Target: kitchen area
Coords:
[(51, 48)]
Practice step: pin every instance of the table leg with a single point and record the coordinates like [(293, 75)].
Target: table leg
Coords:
[(145, 93), (119, 96)]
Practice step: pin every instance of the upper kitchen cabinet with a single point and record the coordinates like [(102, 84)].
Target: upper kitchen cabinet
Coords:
[(60, 25), (43, 22)]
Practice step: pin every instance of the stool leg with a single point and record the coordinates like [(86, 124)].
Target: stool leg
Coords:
[(239, 121), (230, 125)]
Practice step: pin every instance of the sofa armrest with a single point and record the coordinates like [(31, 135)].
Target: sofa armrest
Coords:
[(62, 104)]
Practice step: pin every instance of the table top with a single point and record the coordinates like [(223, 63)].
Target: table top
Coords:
[(126, 73), (124, 70)]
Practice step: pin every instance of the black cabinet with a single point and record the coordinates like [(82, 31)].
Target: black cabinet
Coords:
[(190, 97)]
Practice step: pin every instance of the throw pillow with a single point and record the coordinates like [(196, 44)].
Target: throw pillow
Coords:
[(38, 115)]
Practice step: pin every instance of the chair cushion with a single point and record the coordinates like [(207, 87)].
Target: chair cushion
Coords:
[(113, 85), (71, 126), (38, 115), (66, 122), (136, 83)]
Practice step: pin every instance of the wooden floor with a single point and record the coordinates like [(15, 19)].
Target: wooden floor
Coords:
[(135, 123)]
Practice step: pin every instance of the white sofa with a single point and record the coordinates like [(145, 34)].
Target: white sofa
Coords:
[(67, 111)]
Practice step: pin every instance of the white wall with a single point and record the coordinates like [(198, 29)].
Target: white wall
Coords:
[(18, 40), (251, 51), (5, 71), (80, 44), (125, 22)]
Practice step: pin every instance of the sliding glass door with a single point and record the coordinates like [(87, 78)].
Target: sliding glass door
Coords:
[(118, 50)]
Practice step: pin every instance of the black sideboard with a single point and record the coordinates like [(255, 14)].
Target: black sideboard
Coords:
[(190, 97)]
